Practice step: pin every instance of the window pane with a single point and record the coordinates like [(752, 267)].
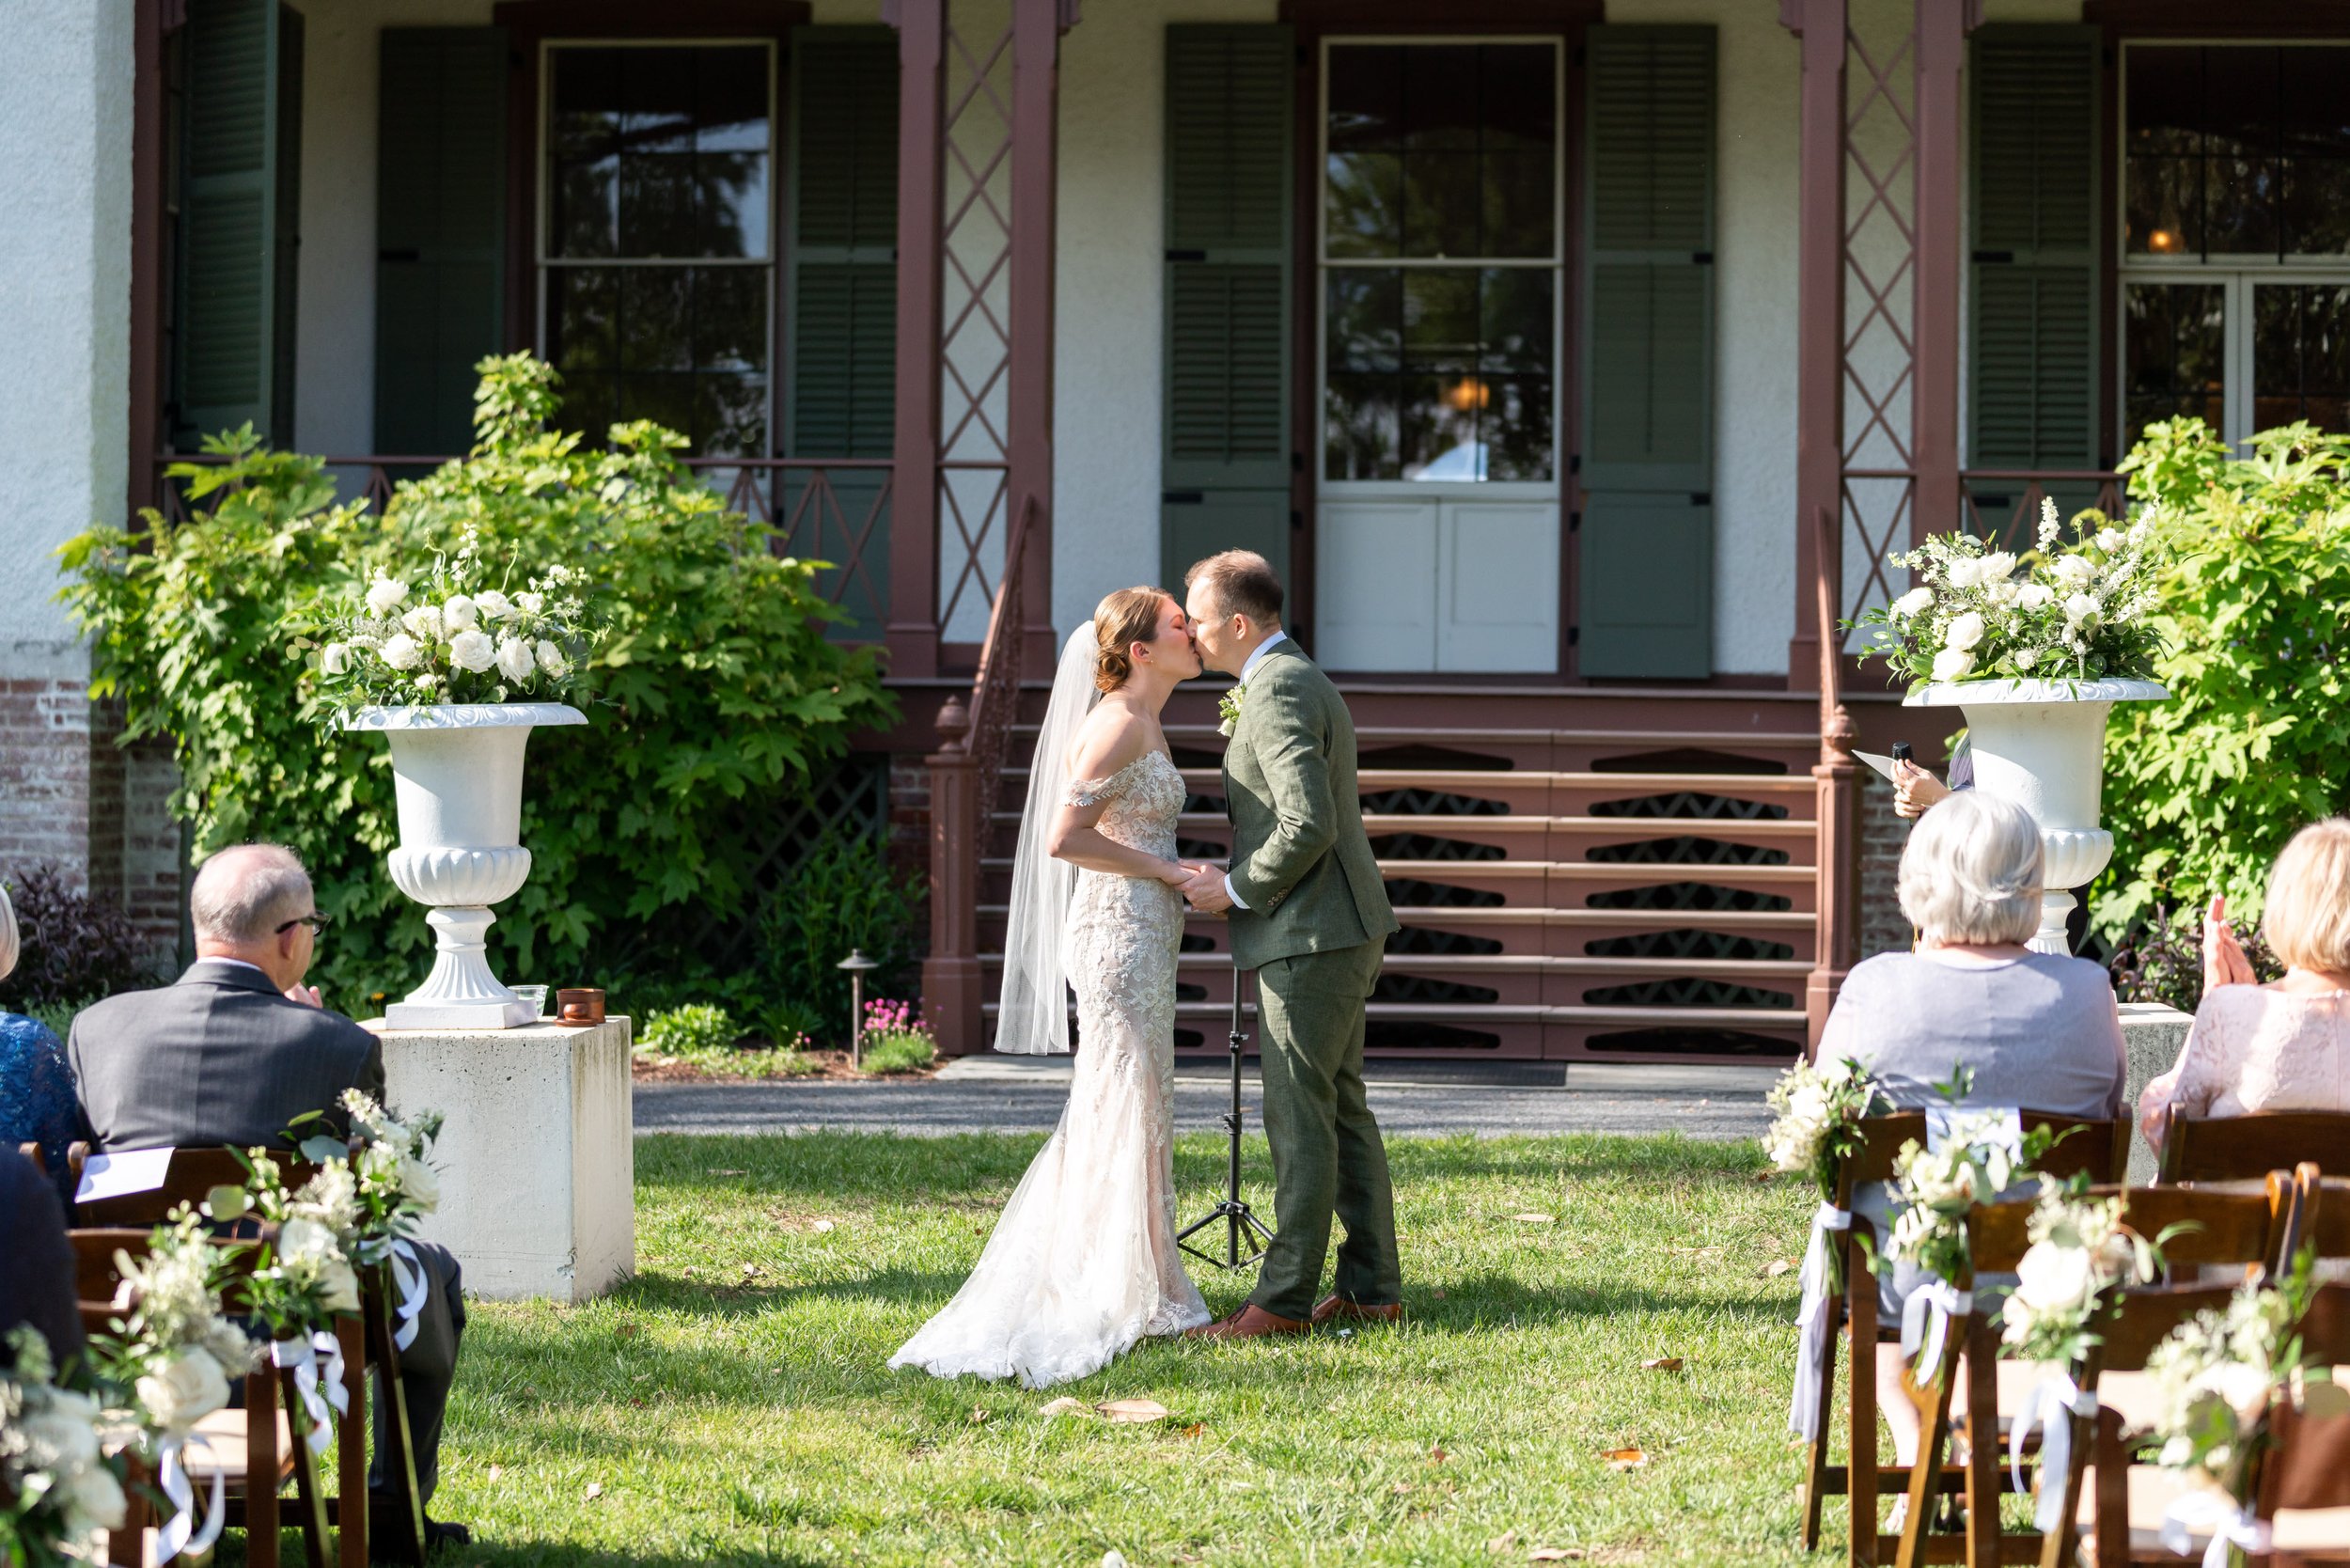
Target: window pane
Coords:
[(657, 205), (2300, 354), (656, 321), (1440, 204), (2174, 341), (2240, 206), (729, 415), (1440, 427), (1361, 432), (1517, 428), (657, 100), (1440, 319), (582, 319), (1519, 197), (731, 318), (1517, 332), (585, 207), (667, 398), (1521, 91), (1365, 204), (731, 99), (2166, 207), (1367, 99), (1440, 99), (2240, 101), (733, 203), (586, 116), (2317, 207), (2165, 99), (1366, 319)]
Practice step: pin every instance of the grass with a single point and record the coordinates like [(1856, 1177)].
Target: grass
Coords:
[(733, 1061), (731, 1403), (899, 1051)]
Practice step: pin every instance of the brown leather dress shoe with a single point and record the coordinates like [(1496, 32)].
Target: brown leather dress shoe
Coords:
[(1249, 1323), (1337, 1309)]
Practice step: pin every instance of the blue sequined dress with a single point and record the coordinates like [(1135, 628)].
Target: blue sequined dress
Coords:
[(37, 1101)]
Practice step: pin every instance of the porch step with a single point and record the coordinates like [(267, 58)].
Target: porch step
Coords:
[(1540, 883), (1535, 749)]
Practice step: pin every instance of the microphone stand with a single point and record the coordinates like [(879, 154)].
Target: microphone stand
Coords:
[(1241, 1224)]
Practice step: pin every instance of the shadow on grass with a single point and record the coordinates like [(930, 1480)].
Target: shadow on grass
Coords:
[(709, 1549)]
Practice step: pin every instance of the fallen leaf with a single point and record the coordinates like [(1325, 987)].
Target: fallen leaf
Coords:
[(979, 1416), (1765, 1175), (822, 1225), (595, 1490), (1535, 1219), (626, 1330), (1555, 1554), (1435, 1295), (1401, 1488), (1438, 1456), (729, 1173), (1625, 1459), (1775, 1267), (1134, 1410), (749, 1270), (1067, 1406), (689, 1270), (497, 1470), (1503, 1542), (1197, 1429), (1661, 1363)]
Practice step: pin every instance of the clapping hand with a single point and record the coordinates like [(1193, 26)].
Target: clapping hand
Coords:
[(2224, 962), (307, 994)]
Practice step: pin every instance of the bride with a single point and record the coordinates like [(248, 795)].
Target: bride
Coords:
[(1083, 1262)]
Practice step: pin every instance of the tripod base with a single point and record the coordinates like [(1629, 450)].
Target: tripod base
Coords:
[(1245, 1230)]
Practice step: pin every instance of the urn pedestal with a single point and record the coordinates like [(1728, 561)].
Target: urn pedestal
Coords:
[(456, 775), (2042, 744)]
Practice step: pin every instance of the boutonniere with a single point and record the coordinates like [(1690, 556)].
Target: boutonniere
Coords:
[(1228, 708)]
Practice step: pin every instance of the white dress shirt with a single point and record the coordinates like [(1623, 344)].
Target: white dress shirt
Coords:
[(1248, 669)]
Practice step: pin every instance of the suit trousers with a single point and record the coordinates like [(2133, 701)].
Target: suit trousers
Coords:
[(1327, 1158), (426, 1369)]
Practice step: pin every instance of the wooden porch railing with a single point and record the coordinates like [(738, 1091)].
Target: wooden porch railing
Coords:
[(974, 739), (1836, 854)]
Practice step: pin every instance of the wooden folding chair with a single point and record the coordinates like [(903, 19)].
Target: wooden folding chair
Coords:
[(2303, 1489), (32, 1151), (2237, 1148), (2096, 1146), (254, 1449), (2215, 1227)]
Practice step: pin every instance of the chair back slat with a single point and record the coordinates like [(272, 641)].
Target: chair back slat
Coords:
[(190, 1177), (2227, 1148), (2219, 1228), (2147, 1314), (2097, 1146), (32, 1151)]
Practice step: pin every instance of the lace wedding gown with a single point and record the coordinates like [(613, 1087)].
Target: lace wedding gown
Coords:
[(1083, 1262)]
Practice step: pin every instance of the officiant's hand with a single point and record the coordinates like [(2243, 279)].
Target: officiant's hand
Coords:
[(1205, 891), (1914, 789), (2224, 962)]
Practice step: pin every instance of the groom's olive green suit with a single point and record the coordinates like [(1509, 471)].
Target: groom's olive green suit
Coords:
[(1316, 921)]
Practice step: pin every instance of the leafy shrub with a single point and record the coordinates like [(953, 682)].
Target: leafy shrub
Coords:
[(696, 1027), (705, 1036), (714, 695), (72, 949), (2202, 791), (844, 895), (895, 1038), (2162, 960)]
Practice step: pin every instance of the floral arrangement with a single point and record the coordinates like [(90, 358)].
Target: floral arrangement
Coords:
[(894, 1038), (2080, 1253), (2212, 1378), (1980, 1158), (452, 638), (1820, 1108), (2053, 612), (57, 1487)]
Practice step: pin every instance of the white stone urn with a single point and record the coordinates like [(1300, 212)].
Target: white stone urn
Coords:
[(2042, 744), (457, 769)]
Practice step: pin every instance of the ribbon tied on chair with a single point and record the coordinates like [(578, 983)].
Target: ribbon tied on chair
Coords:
[(2228, 1522), (317, 1364), (2054, 1400), (181, 1532), (1811, 1325), (1926, 1322), (409, 1275)]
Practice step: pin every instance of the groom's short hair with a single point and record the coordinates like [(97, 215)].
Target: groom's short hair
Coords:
[(1243, 582)]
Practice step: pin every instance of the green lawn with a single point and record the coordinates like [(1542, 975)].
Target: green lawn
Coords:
[(731, 1403)]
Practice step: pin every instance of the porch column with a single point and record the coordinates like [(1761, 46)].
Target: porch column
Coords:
[(912, 636), (1036, 27), (1819, 317), (1942, 27)]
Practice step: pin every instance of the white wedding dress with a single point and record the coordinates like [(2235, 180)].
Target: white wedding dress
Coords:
[(1083, 1262)]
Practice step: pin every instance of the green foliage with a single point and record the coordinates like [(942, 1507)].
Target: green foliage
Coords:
[(707, 1039), (899, 1051), (716, 693), (2162, 960), (695, 1027), (2203, 790), (73, 948), (844, 895)]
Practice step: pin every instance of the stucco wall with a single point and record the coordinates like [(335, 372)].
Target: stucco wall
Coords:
[(65, 305)]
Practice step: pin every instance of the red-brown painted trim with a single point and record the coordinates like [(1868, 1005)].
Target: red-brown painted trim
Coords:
[(1941, 53), (913, 632), (1462, 16), (1036, 28), (1819, 313), (145, 437), (2201, 18)]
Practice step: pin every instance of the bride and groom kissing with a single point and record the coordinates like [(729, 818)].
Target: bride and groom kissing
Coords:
[(1083, 1262)]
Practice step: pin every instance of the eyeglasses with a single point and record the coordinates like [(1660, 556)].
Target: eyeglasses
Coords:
[(315, 921)]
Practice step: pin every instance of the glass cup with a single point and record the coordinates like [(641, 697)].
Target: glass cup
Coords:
[(535, 994)]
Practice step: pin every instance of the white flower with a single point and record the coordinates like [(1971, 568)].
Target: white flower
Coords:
[(459, 613), (2027, 657), (2109, 540), (384, 593), (425, 682), (514, 658), (1966, 572), (307, 1247), (2082, 610), (531, 602), (2074, 571), (419, 1184), (472, 649), (2049, 526), (180, 1391), (1995, 567), (1964, 633), (550, 658), (1917, 601), (2035, 596), (492, 605), (334, 658), (400, 650), (2003, 592), (1952, 663), (2050, 1276), (423, 623)]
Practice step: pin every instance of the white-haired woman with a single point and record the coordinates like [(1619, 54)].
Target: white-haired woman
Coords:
[(36, 1104), (2284, 1045), (2035, 1030)]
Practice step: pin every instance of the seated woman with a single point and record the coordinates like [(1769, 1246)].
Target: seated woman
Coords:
[(36, 1104), (2037, 1031), (2284, 1045)]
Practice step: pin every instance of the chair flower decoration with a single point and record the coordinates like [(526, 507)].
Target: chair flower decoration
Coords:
[(58, 1488), (1819, 1113)]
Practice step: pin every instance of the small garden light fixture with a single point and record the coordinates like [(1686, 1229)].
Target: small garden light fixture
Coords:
[(858, 966)]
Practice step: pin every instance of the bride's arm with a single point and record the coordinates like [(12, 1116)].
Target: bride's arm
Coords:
[(1108, 743)]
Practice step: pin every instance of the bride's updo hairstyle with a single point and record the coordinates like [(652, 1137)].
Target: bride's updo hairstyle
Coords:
[(1124, 619)]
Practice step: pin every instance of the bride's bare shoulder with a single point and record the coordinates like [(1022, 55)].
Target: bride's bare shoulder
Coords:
[(1112, 738)]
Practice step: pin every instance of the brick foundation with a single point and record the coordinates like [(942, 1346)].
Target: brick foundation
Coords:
[(1883, 926)]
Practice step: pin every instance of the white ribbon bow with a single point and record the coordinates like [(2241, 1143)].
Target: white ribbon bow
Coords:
[(408, 1272), (1926, 1322), (302, 1356), (181, 1533), (1811, 1325), (2228, 1524), (2049, 1401)]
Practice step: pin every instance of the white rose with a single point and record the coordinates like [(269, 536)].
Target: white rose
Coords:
[(1966, 572), (531, 602), (514, 658), (2074, 571), (1995, 567), (425, 681), (334, 658), (300, 1240), (460, 613), (550, 658), (2109, 540), (2050, 1276), (420, 1185), (97, 1496), (183, 1391), (423, 623), (1917, 601), (2035, 596), (384, 593), (340, 1286), (1952, 663), (492, 605), (2002, 592), (400, 650), (2082, 610), (471, 649), (1964, 633), (61, 1431), (2027, 657)]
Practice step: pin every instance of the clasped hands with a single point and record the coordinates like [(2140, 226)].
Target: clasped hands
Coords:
[(1202, 887)]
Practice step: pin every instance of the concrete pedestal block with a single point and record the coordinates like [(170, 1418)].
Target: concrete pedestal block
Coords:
[(537, 1156), (2152, 1037)]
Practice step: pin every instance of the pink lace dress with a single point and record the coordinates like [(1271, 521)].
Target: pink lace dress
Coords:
[(1083, 1262), (2253, 1049)]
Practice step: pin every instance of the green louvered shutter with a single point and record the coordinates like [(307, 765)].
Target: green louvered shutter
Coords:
[(440, 231), (1646, 564), (2032, 367), (231, 263), (1225, 462), (841, 396)]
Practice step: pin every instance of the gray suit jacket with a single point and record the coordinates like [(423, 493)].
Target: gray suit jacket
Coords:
[(219, 1057)]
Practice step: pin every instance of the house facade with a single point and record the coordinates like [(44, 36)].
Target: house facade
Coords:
[(1575, 358)]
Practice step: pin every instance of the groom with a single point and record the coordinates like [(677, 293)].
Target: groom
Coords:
[(1311, 915)]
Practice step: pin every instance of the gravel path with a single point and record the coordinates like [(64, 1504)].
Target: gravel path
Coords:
[(995, 1096)]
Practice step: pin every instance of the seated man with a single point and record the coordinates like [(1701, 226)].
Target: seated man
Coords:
[(237, 1050)]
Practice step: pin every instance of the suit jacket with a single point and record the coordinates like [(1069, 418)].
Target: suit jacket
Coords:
[(219, 1057), (1301, 861), (37, 1286)]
